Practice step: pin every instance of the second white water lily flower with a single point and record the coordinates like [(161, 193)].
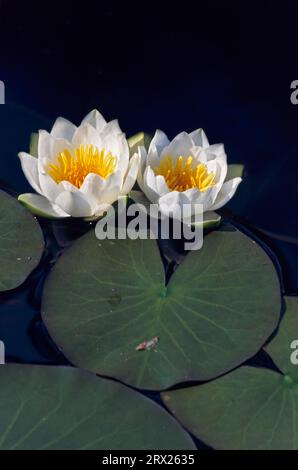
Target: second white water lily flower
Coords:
[(186, 170), (79, 171)]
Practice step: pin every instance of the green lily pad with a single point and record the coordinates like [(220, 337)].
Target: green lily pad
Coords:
[(249, 408), (21, 242), (104, 298), (283, 346), (47, 408)]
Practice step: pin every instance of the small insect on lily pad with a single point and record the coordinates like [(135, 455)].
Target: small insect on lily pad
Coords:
[(21, 242)]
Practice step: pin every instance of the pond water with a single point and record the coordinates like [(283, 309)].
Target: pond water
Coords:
[(234, 82), (21, 328)]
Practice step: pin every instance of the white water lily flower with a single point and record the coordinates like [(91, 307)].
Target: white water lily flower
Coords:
[(79, 171), (185, 170)]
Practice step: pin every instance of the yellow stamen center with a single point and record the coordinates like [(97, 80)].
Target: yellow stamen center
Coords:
[(184, 175), (86, 159)]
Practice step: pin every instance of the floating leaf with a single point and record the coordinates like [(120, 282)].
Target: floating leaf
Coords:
[(46, 408), (254, 409), (283, 346), (104, 298), (249, 408), (21, 242)]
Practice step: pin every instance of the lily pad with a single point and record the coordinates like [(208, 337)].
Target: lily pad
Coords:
[(47, 408), (283, 346), (104, 298), (249, 408), (21, 242)]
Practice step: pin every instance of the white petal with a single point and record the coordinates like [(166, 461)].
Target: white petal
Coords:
[(199, 154), (49, 147), (199, 138), (45, 145), (153, 157), (101, 209), (41, 206), (131, 175), (112, 189), (171, 204), (226, 193), (220, 172), (161, 185), (59, 145), (205, 198), (197, 199), (63, 129), (215, 149), (142, 166), (95, 119), (87, 135), (93, 186), (112, 127), (67, 186), (180, 145), (159, 141), (192, 194), (118, 146), (30, 169), (75, 204), (50, 189), (150, 186)]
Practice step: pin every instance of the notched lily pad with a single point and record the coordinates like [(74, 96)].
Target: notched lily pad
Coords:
[(47, 408), (249, 408), (21, 242), (104, 298)]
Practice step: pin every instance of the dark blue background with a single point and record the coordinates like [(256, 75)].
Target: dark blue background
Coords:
[(223, 66)]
